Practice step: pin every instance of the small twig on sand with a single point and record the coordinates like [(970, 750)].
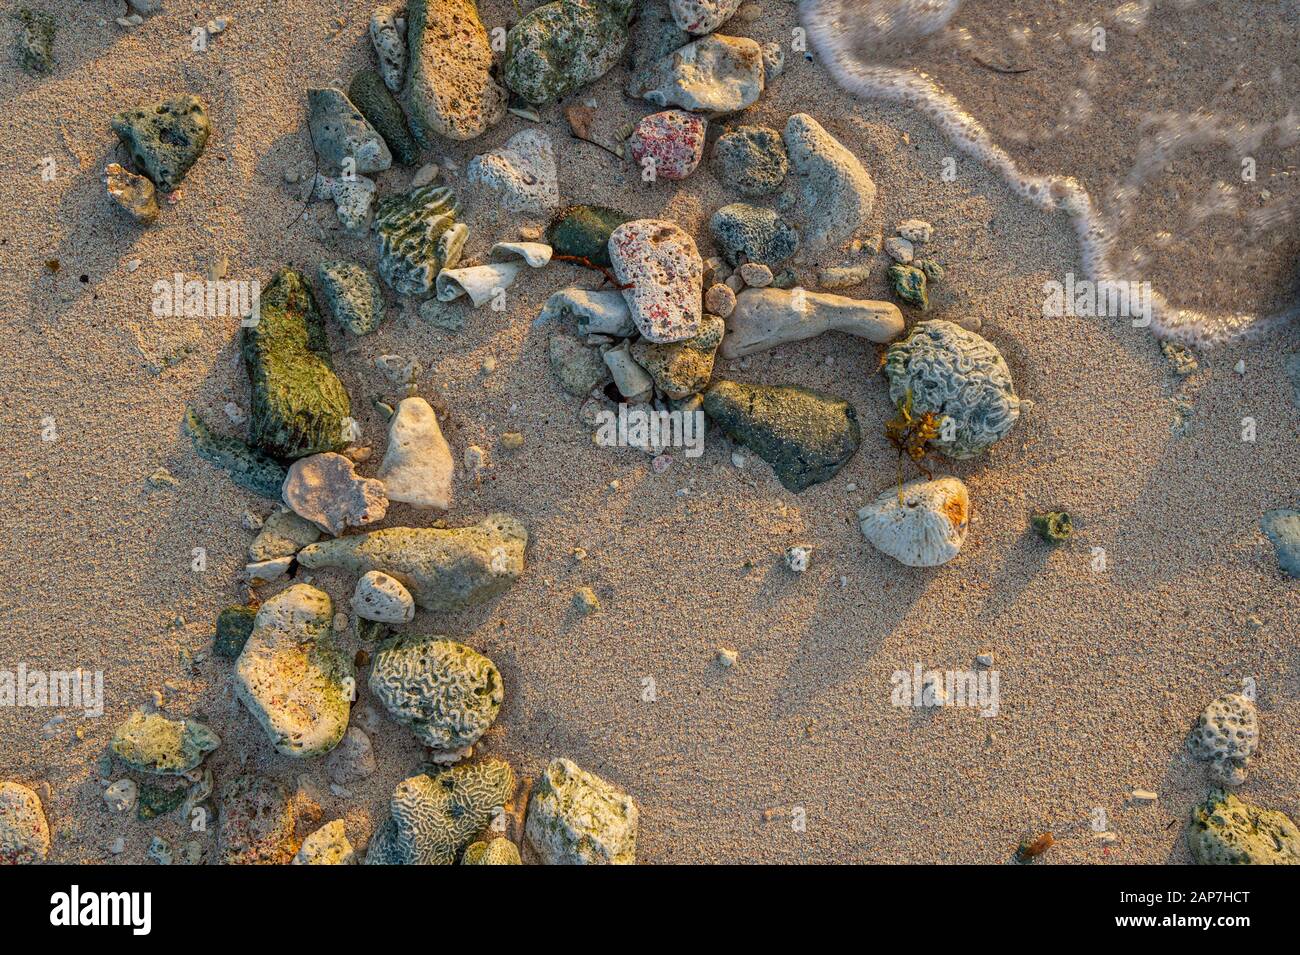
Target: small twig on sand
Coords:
[(588, 264), (1009, 70)]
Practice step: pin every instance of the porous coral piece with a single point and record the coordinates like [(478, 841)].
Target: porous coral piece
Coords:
[(447, 693), (24, 831), (449, 88), (923, 525), (290, 676), (493, 852), (257, 823), (1226, 736), (959, 376), (165, 138), (561, 46), (1224, 830), (152, 743), (577, 818)]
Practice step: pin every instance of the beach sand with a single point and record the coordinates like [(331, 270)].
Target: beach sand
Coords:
[(795, 754)]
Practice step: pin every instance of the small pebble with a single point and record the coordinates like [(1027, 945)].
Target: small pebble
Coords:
[(798, 557), (756, 275), (985, 660), (727, 658), (512, 440), (720, 300), (585, 600), (900, 250), (1144, 795)]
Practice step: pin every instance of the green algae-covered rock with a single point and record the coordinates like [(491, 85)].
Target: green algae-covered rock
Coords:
[(369, 94), (234, 626), (450, 91), (1223, 830), (352, 296), (151, 743), (909, 284), (35, 41), (562, 46), (155, 801), (299, 405), (418, 237), (435, 817), (166, 138), (494, 852), (682, 368), (804, 435), (447, 693), (584, 231), (290, 676), (576, 818), (248, 467), (445, 569)]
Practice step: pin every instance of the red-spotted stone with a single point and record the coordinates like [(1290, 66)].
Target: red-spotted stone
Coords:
[(665, 277), (669, 144)]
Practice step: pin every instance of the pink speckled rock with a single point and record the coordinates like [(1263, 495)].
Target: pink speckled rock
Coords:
[(671, 143), (662, 267), (702, 16)]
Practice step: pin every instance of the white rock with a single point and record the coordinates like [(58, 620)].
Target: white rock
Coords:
[(121, 796), (418, 467), (263, 571), (715, 75), (900, 250), (597, 313), (353, 759), (915, 230), (383, 599), (522, 172), (634, 382), (926, 528), (482, 283), (765, 318), (798, 557)]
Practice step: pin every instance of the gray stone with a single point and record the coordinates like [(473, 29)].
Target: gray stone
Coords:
[(752, 159), (1282, 527), (836, 193), (345, 142), (165, 139), (746, 233), (579, 368), (352, 296), (390, 45), (714, 75), (283, 534), (559, 47)]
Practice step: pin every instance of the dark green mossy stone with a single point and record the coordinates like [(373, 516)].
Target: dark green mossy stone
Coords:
[(746, 233), (157, 801), (369, 94), (234, 627), (804, 435), (165, 138), (299, 404), (909, 285), (584, 231), (248, 468), (1055, 527)]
